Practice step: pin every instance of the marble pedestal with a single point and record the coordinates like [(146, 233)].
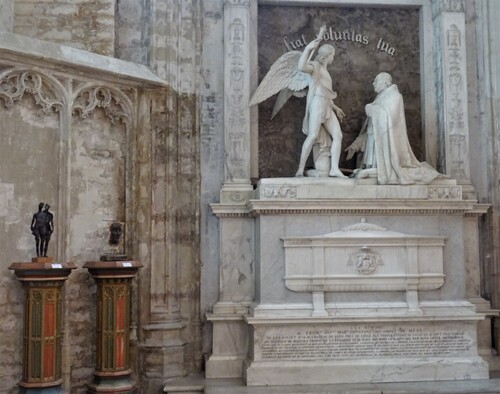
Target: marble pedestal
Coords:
[(354, 282), (43, 322)]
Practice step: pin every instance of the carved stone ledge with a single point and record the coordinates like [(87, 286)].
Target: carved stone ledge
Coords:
[(230, 210), (18, 49), (409, 207)]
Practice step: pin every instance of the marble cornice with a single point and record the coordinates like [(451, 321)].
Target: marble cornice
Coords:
[(230, 210), (359, 319), (406, 207), (237, 3), (440, 6)]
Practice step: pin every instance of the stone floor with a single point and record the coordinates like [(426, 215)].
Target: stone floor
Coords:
[(197, 384)]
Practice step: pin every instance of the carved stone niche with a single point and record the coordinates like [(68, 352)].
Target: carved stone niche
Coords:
[(364, 257)]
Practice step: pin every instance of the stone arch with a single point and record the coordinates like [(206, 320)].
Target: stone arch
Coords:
[(48, 92), (115, 103)]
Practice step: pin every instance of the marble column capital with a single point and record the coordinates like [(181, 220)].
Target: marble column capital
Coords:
[(244, 3), (440, 6)]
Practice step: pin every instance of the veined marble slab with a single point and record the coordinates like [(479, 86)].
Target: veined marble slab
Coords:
[(311, 352), (335, 188)]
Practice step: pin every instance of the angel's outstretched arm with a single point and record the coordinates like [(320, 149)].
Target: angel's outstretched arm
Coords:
[(304, 64)]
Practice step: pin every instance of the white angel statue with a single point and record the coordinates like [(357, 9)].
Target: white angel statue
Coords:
[(290, 75)]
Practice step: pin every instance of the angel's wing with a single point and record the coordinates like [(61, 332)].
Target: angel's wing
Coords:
[(283, 74), (283, 97)]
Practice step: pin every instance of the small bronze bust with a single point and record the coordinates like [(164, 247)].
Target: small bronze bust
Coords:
[(115, 234), (42, 227)]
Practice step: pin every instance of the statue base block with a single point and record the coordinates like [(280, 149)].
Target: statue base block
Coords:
[(43, 260), (114, 257), (348, 189)]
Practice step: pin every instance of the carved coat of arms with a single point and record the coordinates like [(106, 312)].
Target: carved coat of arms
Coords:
[(365, 261)]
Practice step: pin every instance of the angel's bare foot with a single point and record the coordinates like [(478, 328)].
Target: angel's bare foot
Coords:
[(361, 174), (299, 173), (337, 174)]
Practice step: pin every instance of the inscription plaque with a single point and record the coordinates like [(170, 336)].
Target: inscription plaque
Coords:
[(365, 342)]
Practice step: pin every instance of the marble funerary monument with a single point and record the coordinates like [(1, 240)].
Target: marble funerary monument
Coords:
[(367, 279)]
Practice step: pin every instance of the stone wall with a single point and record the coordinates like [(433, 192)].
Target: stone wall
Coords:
[(82, 24), (133, 23), (6, 15), (486, 166), (26, 177)]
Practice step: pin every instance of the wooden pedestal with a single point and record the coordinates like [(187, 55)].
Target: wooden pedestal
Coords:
[(113, 278), (43, 322)]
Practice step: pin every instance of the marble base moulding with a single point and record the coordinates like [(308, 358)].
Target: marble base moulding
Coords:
[(230, 345)]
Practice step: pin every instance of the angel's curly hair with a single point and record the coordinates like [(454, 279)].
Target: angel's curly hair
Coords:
[(324, 51)]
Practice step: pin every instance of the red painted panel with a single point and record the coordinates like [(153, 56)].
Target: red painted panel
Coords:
[(48, 360), (48, 348), (49, 316), (120, 314), (119, 352)]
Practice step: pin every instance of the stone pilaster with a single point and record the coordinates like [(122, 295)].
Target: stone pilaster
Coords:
[(237, 188), (236, 267), (169, 328), (449, 23)]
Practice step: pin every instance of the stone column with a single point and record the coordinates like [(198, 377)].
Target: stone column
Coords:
[(237, 188), (449, 25), (490, 241), (43, 325), (114, 283)]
